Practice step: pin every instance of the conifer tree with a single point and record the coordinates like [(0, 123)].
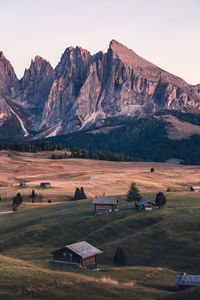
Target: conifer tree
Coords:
[(19, 198), (77, 195), (119, 257), (160, 199), (82, 194), (33, 195), (133, 193)]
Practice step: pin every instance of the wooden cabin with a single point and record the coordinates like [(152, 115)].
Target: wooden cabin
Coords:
[(145, 204), (104, 205), (22, 184), (195, 189), (184, 281), (82, 254), (45, 185)]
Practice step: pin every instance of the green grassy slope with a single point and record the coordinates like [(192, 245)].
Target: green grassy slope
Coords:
[(24, 280), (167, 238)]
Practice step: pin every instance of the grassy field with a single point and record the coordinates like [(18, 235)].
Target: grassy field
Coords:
[(157, 244)]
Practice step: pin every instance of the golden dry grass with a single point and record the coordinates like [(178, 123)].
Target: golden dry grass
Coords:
[(97, 177)]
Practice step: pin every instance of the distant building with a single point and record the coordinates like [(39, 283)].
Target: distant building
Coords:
[(23, 184), (104, 205), (185, 281), (82, 254), (195, 189), (45, 185), (145, 204)]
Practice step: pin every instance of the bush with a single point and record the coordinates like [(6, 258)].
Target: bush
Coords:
[(119, 257), (152, 170), (49, 201)]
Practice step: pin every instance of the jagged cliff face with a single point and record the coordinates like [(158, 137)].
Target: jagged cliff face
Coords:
[(86, 90), (70, 75), (34, 89), (8, 78)]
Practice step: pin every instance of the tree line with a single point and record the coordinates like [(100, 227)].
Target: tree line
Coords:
[(76, 152), (31, 147)]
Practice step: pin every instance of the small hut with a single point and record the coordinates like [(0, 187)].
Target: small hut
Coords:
[(195, 188), (104, 205), (145, 204), (45, 185), (22, 184), (185, 281), (82, 254)]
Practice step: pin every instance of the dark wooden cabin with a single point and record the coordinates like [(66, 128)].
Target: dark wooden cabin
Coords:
[(82, 254), (22, 184), (145, 204), (184, 281), (104, 205), (45, 185)]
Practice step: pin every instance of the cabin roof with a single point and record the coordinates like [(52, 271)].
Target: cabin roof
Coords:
[(84, 249), (105, 200), (142, 202), (188, 280)]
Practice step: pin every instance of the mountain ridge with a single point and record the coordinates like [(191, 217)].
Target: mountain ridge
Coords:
[(85, 90)]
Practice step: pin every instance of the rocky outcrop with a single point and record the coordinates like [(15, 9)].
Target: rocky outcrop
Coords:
[(70, 75), (8, 78), (86, 90), (35, 87)]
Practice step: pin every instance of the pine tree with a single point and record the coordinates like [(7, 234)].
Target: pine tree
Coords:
[(119, 257), (160, 199), (133, 193), (77, 195), (152, 170), (33, 195), (15, 201), (19, 198), (82, 194)]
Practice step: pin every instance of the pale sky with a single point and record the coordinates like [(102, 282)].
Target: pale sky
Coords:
[(165, 32)]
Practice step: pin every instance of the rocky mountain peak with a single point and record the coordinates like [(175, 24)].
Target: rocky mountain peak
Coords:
[(38, 58), (86, 90), (8, 78), (1, 54)]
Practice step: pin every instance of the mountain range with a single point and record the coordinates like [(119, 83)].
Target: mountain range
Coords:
[(87, 91)]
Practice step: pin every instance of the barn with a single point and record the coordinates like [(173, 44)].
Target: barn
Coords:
[(195, 188), (82, 254), (45, 185), (185, 281), (104, 205)]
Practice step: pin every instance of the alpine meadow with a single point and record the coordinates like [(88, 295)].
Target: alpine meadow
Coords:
[(99, 150)]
